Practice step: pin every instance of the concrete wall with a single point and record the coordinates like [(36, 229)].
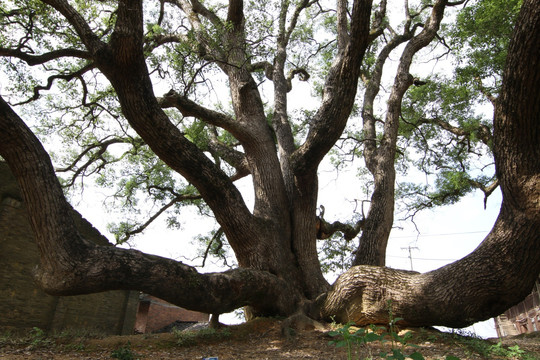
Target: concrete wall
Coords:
[(23, 305)]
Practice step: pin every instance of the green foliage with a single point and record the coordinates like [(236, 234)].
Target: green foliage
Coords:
[(446, 140), (335, 254), (344, 337), (124, 353), (82, 109), (475, 346), (498, 350), (39, 338), (512, 352), (480, 38), (350, 337), (362, 337), (215, 245)]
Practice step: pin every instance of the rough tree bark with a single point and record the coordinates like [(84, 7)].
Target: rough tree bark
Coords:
[(503, 269), (276, 240), (380, 158), (275, 243)]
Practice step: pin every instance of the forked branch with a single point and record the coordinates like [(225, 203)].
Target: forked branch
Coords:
[(70, 265)]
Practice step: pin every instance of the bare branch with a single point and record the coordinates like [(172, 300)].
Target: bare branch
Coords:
[(487, 190), (179, 198), (482, 132), (339, 90), (235, 14), (193, 9), (217, 238), (95, 153), (199, 8), (372, 89), (403, 79), (282, 85), (378, 18), (380, 160), (70, 265), (342, 24), (456, 3), (87, 36), (32, 60), (50, 81), (263, 65), (303, 75), (294, 19), (167, 39), (210, 49), (485, 92)]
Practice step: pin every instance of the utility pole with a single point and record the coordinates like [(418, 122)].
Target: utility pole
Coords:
[(410, 248)]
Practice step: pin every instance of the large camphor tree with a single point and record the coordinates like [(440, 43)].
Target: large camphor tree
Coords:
[(110, 56)]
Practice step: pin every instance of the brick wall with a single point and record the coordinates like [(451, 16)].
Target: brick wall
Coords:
[(523, 317), (23, 305), (155, 314)]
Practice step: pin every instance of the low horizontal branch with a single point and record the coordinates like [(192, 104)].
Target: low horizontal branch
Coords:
[(103, 268), (325, 229)]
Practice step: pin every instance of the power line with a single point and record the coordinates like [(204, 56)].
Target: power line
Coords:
[(425, 259), (410, 253), (447, 234)]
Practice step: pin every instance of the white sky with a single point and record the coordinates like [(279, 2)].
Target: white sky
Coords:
[(446, 233)]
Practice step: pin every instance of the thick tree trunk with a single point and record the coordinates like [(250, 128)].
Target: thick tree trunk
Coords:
[(275, 243), (70, 265), (497, 275), (380, 159), (503, 269)]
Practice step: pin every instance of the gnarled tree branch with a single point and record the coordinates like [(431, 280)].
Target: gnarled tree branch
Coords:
[(53, 78), (482, 132), (70, 265), (32, 59), (325, 229), (87, 36), (340, 88), (190, 108)]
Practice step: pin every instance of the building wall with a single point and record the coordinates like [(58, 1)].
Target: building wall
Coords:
[(23, 304), (154, 314), (521, 318)]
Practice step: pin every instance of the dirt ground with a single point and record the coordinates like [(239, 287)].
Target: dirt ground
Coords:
[(259, 339)]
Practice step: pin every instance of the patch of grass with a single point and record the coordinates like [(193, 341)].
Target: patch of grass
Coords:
[(363, 337), (86, 333), (475, 346), (76, 339), (124, 353), (7, 338), (38, 338)]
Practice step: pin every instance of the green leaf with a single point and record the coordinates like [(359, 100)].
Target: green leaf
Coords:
[(452, 357), (397, 355), (416, 356), (371, 337)]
